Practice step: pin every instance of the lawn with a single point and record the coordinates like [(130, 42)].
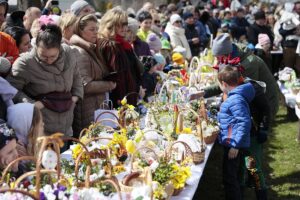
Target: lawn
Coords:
[(281, 165)]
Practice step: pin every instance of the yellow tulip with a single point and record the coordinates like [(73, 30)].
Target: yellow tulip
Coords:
[(130, 146), (124, 101)]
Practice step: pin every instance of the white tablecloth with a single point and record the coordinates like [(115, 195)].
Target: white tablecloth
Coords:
[(189, 190)]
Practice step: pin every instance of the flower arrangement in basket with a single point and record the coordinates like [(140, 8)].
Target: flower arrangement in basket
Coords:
[(35, 184), (201, 73)]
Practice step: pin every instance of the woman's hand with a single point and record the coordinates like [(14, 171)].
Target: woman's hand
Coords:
[(74, 99), (112, 85), (39, 105), (232, 154)]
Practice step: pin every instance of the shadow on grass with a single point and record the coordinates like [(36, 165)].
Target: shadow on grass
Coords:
[(286, 187)]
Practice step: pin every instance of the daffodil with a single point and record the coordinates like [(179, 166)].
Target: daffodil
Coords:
[(124, 101), (131, 107), (130, 146)]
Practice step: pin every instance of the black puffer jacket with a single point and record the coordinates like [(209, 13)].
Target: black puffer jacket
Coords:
[(254, 30)]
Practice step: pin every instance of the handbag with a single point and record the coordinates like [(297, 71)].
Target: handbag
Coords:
[(56, 101)]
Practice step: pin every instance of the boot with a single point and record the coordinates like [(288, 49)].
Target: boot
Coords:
[(261, 194)]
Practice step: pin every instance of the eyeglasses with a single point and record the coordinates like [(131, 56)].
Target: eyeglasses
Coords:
[(157, 21), (178, 21)]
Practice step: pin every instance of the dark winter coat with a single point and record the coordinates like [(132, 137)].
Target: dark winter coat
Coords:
[(238, 27), (190, 33), (254, 30), (141, 48)]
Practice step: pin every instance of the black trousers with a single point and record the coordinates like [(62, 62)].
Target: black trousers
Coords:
[(232, 169)]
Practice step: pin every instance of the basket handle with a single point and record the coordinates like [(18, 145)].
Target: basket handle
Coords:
[(32, 173), (194, 60), (107, 112), (21, 192), (88, 170), (56, 141), (110, 120), (115, 185), (188, 150), (6, 170)]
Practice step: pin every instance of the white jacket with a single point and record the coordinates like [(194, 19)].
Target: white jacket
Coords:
[(177, 37)]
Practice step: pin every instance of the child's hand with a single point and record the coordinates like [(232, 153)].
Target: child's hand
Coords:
[(233, 153)]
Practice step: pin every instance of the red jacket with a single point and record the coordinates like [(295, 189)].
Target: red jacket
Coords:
[(8, 47)]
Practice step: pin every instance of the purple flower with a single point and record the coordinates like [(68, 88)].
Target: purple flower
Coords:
[(62, 188), (42, 196)]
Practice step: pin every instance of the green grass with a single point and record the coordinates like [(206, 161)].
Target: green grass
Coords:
[(281, 165)]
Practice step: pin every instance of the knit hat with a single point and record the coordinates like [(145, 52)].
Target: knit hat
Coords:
[(154, 42), (159, 58), (178, 58), (133, 25), (222, 45), (19, 117), (263, 39), (6, 134), (174, 18), (15, 19), (4, 65), (165, 44), (187, 15), (77, 6), (45, 20), (181, 50), (259, 15)]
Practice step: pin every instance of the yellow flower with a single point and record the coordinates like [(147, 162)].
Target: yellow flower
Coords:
[(187, 130), (76, 151), (131, 107), (130, 146), (124, 101)]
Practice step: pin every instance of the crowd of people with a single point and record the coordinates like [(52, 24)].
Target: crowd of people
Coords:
[(57, 68)]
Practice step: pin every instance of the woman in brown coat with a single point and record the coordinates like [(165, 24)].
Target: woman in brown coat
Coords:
[(92, 71), (118, 55), (48, 77)]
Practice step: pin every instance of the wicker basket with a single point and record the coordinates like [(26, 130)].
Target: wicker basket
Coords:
[(23, 192), (145, 177), (198, 157), (177, 191), (212, 138)]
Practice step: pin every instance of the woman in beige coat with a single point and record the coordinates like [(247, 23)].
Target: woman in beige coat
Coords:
[(92, 71), (48, 77)]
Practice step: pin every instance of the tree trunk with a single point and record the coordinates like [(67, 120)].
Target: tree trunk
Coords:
[(24, 4)]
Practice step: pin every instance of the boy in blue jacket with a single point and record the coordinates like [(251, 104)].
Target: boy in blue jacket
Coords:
[(235, 126)]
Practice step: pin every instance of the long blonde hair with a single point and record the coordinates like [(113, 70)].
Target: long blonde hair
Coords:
[(110, 21), (32, 147)]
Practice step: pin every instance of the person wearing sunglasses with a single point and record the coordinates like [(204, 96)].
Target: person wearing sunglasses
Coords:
[(177, 34)]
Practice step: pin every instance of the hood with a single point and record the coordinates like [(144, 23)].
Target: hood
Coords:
[(170, 29), (19, 118), (7, 92), (246, 90)]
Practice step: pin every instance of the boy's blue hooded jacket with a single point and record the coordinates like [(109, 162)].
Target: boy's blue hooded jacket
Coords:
[(235, 118)]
